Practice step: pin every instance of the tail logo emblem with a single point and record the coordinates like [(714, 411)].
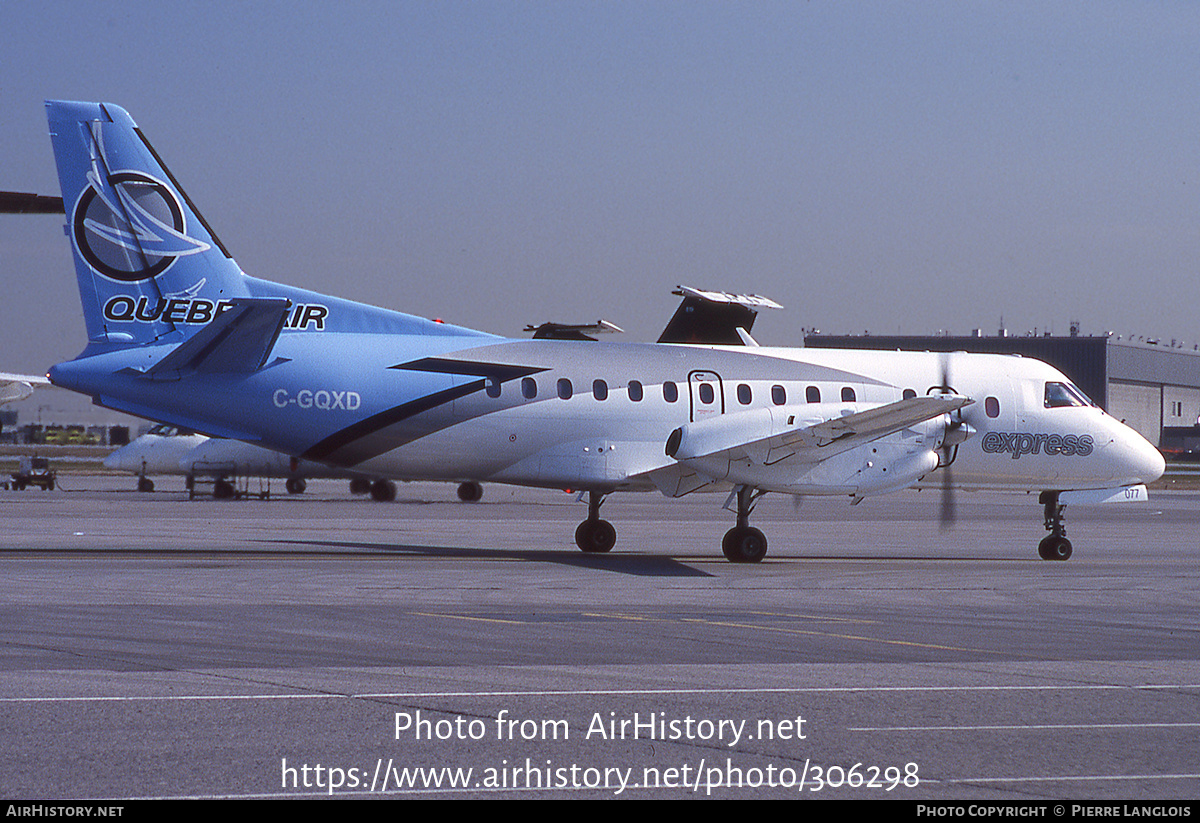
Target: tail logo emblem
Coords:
[(130, 226)]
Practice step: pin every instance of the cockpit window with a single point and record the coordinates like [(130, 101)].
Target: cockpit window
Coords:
[(1060, 395)]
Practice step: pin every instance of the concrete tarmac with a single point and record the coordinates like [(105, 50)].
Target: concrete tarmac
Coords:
[(155, 646)]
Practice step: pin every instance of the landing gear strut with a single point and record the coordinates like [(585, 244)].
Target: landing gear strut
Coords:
[(744, 543), (595, 536), (1056, 546)]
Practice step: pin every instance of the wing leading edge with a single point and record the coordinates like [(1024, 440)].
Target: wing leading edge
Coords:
[(768, 437)]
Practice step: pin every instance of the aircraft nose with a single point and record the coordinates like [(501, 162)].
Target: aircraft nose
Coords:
[(1153, 463), (1145, 463)]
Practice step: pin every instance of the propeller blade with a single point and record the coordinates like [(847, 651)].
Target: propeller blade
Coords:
[(946, 515)]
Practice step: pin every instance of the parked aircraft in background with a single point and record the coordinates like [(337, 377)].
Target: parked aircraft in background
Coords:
[(157, 452), (178, 333), (169, 450)]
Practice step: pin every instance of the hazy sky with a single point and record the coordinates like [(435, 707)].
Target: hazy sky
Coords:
[(872, 166)]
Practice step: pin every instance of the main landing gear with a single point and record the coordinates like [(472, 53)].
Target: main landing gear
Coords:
[(383, 491), (470, 492), (595, 536), (1056, 546), (744, 543)]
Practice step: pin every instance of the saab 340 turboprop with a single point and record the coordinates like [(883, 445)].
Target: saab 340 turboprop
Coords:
[(178, 333)]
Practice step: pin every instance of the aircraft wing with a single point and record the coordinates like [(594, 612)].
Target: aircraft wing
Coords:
[(571, 331), (741, 436), (19, 386)]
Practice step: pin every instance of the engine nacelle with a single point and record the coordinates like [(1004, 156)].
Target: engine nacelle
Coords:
[(716, 434), (882, 476)]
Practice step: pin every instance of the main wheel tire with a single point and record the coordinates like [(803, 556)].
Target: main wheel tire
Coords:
[(744, 545), (595, 536), (360, 485), (296, 485), (223, 490), (470, 492), (145, 484), (383, 491), (1054, 547)]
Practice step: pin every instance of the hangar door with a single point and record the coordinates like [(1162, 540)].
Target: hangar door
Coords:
[(1139, 407)]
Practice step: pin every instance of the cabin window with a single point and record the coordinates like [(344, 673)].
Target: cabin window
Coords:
[(635, 391), (706, 393), (528, 388), (778, 395), (743, 394), (908, 394), (492, 387), (599, 390), (991, 406), (847, 394), (670, 392), (565, 389), (812, 394)]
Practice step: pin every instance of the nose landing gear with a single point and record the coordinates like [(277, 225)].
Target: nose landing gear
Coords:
[(1056, 546)]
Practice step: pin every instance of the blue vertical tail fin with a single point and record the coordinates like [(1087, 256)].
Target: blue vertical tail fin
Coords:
[(149, 267)]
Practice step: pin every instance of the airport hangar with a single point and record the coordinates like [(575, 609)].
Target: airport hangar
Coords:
[(1148, 385)]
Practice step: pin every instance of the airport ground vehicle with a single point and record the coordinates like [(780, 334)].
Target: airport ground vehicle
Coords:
[(34, 471)]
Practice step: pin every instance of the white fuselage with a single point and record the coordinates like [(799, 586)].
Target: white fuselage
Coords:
[(605, 436)]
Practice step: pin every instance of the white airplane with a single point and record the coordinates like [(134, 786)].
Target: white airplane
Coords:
[(159, 451), (178, 333), (169, 450)]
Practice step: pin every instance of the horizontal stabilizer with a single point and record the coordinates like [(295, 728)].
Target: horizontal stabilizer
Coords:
[(19, 386), (19, 202), (239, 340)]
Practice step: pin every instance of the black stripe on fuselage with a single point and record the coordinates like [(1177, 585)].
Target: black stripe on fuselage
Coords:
[(499, 372), (385, 431), (371, 437)]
